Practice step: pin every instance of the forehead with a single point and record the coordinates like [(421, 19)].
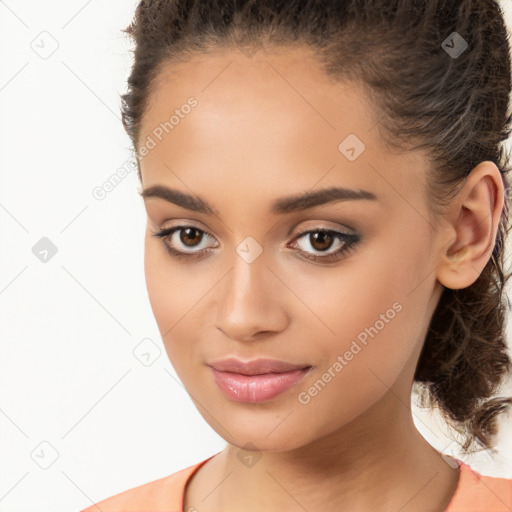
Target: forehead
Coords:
[(267, 121), (290, 85)]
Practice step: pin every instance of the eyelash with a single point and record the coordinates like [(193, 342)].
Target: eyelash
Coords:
[(350, 243)]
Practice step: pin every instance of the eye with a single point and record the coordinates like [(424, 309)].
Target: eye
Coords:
[(324, 239), (184, 237), (179, 241)]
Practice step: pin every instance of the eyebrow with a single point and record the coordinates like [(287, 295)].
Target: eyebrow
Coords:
[(283, 205)]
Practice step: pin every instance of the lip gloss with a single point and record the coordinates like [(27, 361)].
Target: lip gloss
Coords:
[(257, 388)]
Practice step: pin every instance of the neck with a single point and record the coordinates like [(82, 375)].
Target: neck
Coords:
[(357, 468)]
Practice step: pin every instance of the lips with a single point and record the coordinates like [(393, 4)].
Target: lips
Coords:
[(255, 366), (258, 380)]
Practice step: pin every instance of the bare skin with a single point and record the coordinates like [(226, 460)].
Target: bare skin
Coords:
[(267, 126)]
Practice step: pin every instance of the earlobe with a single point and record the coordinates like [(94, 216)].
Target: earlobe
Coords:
[(473, 227)]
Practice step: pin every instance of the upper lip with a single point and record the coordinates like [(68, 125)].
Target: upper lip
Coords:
[(255, 366)]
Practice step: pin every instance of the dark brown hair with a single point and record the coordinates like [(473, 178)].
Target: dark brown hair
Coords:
[(455, 107)]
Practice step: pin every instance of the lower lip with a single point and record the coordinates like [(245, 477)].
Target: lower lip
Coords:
[(257, 388)]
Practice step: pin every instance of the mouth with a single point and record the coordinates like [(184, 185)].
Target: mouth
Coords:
[(258, 380), (259, 366)]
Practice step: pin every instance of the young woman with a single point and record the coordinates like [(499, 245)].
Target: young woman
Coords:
[(327, 206)]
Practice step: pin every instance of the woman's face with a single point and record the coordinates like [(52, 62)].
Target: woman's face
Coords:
[(248, 135)]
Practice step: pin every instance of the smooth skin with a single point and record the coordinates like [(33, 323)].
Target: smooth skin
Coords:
[(268, 126)]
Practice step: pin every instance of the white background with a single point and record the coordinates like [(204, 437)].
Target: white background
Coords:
[(69, 326)]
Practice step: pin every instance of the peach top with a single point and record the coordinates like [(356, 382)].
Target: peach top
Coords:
[(474, 493)]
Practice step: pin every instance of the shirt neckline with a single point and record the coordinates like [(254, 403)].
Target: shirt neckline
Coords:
[(464, 472), (192, 471)]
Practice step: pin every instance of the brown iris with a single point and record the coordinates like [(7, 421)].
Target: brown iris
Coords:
[(322, 238), (186, 236)]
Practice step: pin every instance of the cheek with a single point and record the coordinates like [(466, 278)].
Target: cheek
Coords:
[(374, 317), (157, 282), (174, 292), (167, 287)]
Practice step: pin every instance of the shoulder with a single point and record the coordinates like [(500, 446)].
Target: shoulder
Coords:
[(481, 493), (162, 495)]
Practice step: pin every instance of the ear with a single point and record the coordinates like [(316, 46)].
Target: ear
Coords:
[(472, 226)]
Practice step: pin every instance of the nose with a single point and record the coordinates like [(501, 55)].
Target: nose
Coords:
[(251, 301)]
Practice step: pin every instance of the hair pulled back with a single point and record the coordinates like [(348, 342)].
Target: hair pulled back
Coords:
[(455, 108)]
